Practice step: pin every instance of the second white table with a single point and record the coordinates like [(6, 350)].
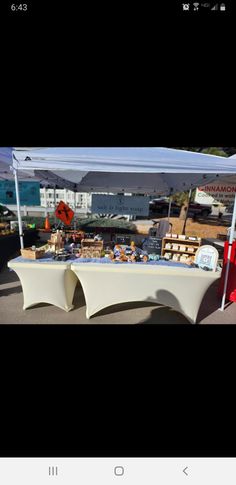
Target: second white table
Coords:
[(179, 288)]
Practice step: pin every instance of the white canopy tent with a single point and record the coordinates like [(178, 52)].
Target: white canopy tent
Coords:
[(138, 170)]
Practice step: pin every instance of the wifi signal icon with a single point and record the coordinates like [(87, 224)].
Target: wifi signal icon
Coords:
[(196, 6)]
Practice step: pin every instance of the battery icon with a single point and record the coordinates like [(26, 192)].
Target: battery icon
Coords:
[(222, 7)]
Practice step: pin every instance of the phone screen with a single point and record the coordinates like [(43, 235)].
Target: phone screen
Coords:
[(117, 243)]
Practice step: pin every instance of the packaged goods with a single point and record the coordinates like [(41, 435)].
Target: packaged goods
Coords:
[(174, 235), (181, 236), (91, 248), (168, 256), (182, 248), (175, 247), (56, 241), (176, 257), (168, 246), (190, 250)]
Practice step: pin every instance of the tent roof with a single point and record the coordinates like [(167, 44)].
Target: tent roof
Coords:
[(137, 170), (45, 178), (144, 160)]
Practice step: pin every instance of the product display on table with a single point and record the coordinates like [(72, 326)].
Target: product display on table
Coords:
[(98, 237), (91, 248), (191, 244), (119, 254), (62, 256), (136, 251), (123, 240), (168, 255), (154, 257), (207, 257), (32, 253), (174, 283), (57, 241)]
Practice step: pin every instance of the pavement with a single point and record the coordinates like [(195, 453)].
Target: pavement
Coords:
[(11, 312)]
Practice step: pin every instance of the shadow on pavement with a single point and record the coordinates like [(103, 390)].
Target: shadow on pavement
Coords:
[(162, 314), (170, 308), (165, 315), (122, 307), (211, 221), (210, 303), (78, 300), (7, 276), (9, 291)]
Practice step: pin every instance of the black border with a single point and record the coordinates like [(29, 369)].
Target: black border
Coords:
[(58, 383)]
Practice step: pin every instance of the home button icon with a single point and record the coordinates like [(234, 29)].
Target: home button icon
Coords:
[(119, 471)]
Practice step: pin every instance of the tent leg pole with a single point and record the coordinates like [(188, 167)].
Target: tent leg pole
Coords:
[(169, 208), (231, 237), (55, 203), (186, 215), (18, 209)]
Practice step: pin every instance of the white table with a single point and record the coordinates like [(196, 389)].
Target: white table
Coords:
[(177, 287), (45, 281)]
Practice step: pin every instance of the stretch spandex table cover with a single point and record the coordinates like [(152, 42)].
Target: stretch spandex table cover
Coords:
[(45, 281), (179, 288)]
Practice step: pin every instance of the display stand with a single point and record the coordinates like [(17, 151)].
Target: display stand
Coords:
[(179, 246)]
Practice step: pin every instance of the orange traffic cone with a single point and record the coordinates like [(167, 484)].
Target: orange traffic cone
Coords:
[(47, 225)]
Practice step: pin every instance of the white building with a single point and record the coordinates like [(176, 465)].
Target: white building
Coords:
[(51, 197)]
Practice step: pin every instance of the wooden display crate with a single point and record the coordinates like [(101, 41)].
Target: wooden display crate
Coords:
[(91, 248), (29, 253), (91, 243), (180, 244)]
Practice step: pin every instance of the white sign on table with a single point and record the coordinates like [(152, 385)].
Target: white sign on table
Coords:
[(120, 204), (207, 256)]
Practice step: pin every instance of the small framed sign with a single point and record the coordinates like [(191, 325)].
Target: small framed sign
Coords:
[(153, 245), (207, 256)]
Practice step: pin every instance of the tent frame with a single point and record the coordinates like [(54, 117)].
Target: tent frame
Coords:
[(231, 237), (18, 208)]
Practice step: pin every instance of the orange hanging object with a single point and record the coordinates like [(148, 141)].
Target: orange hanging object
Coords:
[(47, 225), (64, 213)]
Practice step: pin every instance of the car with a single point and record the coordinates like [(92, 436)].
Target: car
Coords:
[(162, 206)]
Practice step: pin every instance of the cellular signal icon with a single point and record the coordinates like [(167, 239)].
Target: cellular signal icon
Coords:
[(215, 7), (196, 6)]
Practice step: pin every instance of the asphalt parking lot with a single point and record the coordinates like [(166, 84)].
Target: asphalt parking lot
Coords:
[(11, 312)]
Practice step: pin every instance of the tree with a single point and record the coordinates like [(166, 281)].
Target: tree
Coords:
[(182, 198), (214, 151)]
